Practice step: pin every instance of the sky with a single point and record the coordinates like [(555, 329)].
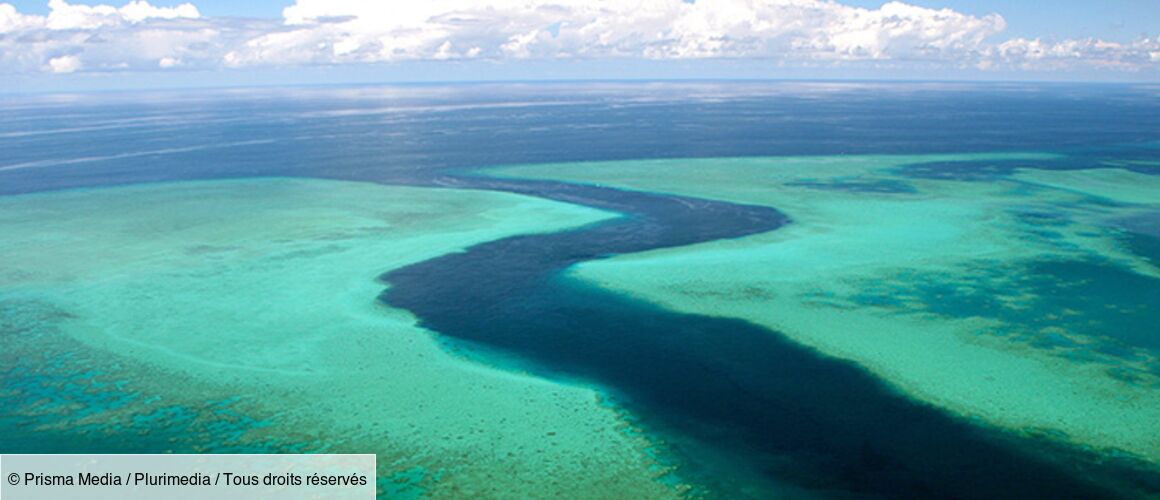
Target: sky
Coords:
[(83, 44)]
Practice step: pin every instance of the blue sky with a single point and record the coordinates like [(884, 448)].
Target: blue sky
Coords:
[(123, 43), (1119, 20), (243, 8), (1109, 19)]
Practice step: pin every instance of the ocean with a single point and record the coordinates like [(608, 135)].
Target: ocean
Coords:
[(618, 289)]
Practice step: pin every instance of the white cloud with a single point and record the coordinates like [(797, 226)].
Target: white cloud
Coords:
[(140, 36), (350, 30), (66, 16), (139, 10), (63, 16), (64, 64), (1022, 53), (11, 20), (135, 36)]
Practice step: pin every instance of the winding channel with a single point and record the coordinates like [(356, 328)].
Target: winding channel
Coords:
[(786, 411)]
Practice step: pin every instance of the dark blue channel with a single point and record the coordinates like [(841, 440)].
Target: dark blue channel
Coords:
[(745, 391)]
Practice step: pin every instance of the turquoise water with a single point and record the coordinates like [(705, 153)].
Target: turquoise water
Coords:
[(1011, 300)]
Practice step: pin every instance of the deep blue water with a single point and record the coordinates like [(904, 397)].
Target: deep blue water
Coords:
[(716, 387), (417, 129)]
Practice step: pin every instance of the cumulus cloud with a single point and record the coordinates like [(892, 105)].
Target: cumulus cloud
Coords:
[(64, 64), (11, 20), (350, 30), (134, 36), (1022, 53), (141, 36), (65, 16)]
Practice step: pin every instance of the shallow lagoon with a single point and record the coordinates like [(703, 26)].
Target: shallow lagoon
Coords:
[(240, 315)]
